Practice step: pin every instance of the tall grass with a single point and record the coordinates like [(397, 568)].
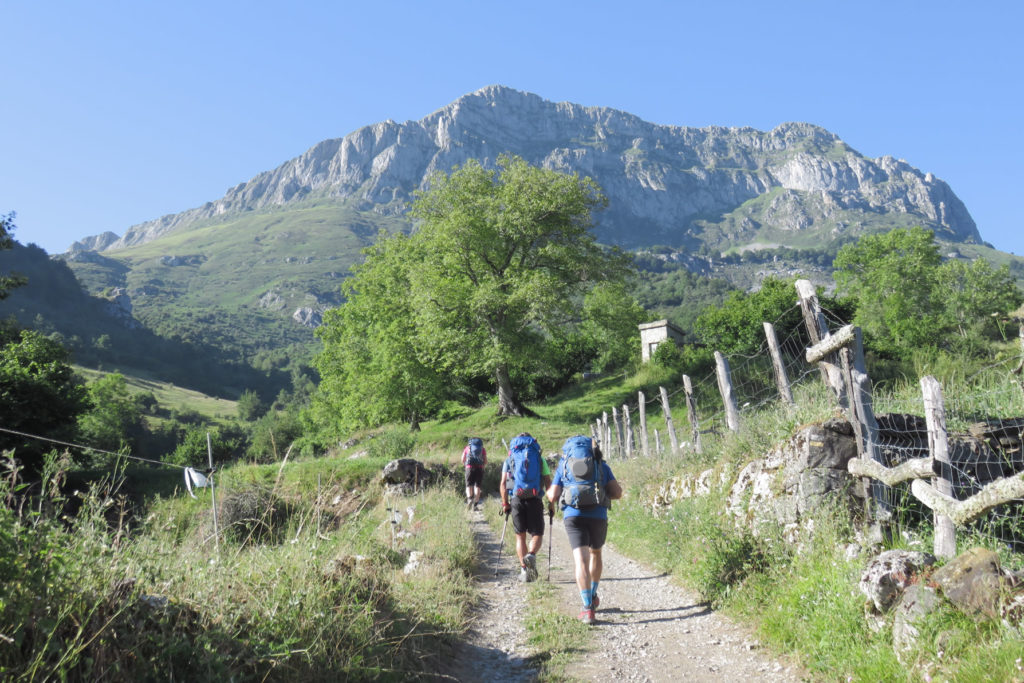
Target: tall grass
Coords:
[(318, 600), (807, 603)]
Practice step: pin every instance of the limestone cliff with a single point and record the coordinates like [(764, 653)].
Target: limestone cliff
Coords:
[(666, 184)]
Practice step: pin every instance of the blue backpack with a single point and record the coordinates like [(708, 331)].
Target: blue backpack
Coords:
[(582, 475), (524, 465), (475, 456)]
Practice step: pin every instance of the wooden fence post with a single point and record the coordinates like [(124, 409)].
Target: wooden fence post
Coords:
[(657, 442), (691, 413), (781, 380), (645, 446), (627, 427), (606, 440), (673, 439), (732, 414), (817, 329), (935, 416), (618, 432)]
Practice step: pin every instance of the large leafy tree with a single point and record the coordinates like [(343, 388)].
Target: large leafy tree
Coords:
[(908, 298), (114, 420), (974, 294), (502, 258), (39, 394), (737, 326), (610, 319), (372, 369), (892, 276)]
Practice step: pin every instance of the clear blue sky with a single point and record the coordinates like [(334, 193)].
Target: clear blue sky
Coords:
[(117, 113)]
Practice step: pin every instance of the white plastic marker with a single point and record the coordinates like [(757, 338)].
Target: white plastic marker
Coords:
[(195, 479)]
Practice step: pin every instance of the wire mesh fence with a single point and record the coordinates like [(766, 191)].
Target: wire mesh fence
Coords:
[(983, 430)]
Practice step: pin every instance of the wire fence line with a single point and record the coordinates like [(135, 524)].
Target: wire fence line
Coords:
[(952, 464)]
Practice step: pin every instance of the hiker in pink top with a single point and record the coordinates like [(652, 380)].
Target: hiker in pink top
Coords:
[(474, 457)]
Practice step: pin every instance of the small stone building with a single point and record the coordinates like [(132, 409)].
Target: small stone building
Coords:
[(652, 334)]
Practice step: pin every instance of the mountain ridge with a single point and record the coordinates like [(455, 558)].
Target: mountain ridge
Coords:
[(667, 183)]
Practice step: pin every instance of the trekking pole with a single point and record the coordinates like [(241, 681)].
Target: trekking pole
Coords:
[(501, 543), (551, 532)]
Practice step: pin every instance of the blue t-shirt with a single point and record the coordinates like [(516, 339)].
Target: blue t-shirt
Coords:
[(596, 512)]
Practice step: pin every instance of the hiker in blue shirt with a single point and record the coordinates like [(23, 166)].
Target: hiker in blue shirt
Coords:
[(585, 486), (524, 477)]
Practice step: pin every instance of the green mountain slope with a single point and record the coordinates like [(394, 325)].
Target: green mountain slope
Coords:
[(100, 333)]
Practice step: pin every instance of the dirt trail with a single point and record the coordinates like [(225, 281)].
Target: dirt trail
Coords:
[(647, 629)]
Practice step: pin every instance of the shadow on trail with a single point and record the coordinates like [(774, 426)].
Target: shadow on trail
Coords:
[(699, 610), (488, 664), (634, 578)]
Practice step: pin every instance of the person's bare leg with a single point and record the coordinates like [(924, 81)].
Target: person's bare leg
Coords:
[(535, 543), (581, 557), (521, 548), (596, 565)]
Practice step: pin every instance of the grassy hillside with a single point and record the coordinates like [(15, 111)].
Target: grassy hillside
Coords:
[(172, 397), (54, 303), (307, 579), (235, 283)]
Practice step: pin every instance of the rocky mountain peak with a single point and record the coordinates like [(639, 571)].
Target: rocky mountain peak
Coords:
[(666, 184)]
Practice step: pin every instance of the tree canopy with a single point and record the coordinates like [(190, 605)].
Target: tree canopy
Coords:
[(494, 274), (908, 298), (372, 367), (505, 255), (39, 394), (8, 282)]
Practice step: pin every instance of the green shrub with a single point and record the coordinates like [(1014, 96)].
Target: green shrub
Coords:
[(392, 444), (253, 515)]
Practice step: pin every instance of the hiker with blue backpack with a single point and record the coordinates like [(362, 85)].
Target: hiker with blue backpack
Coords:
[(474, 457), (524, 478), (585, 487)]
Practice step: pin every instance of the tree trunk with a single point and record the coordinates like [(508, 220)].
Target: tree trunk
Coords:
[(508, 402)]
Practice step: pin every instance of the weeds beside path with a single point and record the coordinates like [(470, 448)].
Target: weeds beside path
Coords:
[(495, 648), (647, 629)]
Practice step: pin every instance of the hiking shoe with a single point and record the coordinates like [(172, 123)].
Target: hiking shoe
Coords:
[(524, 575), (476, 505), (531, 566), (595, 602), (587, 616)]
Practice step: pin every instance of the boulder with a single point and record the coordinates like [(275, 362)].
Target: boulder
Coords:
[(405, 475), (913, 607), (889, 574), (974, 582)]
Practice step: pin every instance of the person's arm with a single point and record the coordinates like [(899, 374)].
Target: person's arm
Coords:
[(503, 491), (554, 491), (613, 488)]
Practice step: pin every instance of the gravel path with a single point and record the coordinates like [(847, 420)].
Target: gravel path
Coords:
[(647, 629)]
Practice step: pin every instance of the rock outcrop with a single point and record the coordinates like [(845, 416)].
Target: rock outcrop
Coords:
[(663, 182), (786, 487)]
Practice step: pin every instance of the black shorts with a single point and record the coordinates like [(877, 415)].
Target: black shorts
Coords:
[(586, 532), (528, 516), (474, 476)]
